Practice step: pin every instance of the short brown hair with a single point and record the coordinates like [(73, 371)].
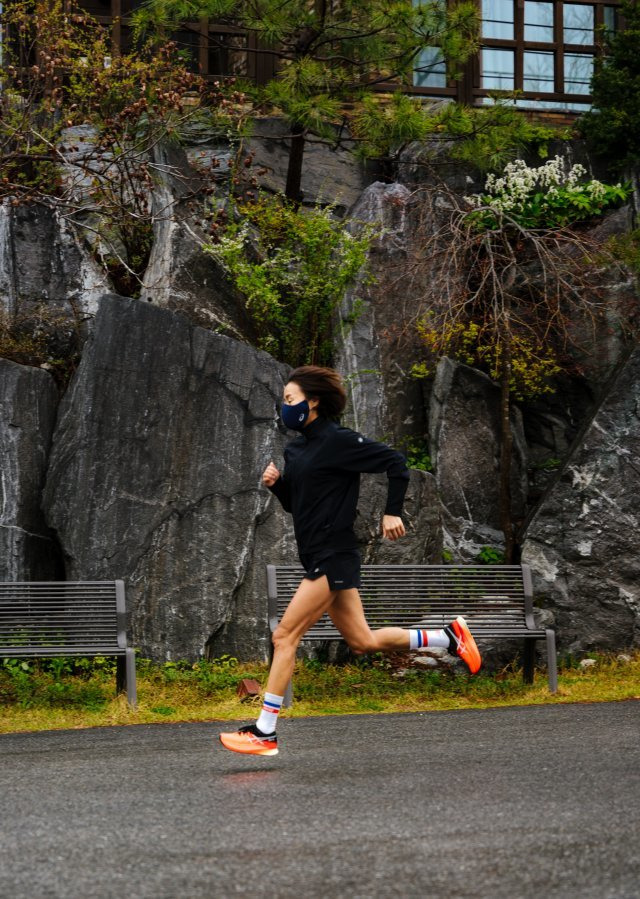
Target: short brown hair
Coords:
[(324, 385)]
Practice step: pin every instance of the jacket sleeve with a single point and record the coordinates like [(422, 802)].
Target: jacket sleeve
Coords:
[(282, 490), (357, 453)]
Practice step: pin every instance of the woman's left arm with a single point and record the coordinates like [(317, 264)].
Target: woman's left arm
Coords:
[(357, 453)]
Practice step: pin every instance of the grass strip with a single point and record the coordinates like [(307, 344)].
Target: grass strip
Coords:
[(60, 694)]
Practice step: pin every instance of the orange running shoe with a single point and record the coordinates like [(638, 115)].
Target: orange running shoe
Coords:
[(465, 644), (250, 741)]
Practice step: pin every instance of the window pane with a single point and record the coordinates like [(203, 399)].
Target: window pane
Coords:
[(227, 54), (578, 69), (430, 70), (497, 19), (578, 23), (610, 18), (497, 69), (538, 71), (538, 21), (559, 105)]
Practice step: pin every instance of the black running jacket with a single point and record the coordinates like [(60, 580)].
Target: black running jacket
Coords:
[(321, 482)]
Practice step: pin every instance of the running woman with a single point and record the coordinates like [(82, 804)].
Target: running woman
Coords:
[(319, 487)]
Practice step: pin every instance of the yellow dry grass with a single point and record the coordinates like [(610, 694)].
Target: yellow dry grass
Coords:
[(335, 690)]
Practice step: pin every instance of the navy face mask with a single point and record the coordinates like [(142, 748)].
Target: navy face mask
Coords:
[(295, 417)]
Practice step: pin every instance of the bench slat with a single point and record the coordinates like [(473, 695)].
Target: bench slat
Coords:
[(494, 599), (107, 649)]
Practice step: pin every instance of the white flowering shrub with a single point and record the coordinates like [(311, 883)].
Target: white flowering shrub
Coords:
[(550, 196)]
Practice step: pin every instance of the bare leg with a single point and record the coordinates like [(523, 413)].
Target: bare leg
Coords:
[(347, 614), (310, 602)]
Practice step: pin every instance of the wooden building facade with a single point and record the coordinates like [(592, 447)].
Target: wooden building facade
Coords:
[(545, 49)]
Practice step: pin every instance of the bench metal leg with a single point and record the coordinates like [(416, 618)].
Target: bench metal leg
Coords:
[(528, 661), (552, 661), (126, 677)]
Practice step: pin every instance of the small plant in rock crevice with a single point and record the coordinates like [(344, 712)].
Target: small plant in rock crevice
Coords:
[(417, 453), (490, 555)]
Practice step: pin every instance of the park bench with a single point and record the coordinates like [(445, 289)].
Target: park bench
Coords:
[(43, 619), (496, 601)]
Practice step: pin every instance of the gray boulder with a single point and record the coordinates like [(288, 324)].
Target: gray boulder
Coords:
[(464, 439), (28, 401), (331, 175), (155, 471), (422, 543), (583, 543), (180, 276), (377, 342), (44, 263), (154, 477)]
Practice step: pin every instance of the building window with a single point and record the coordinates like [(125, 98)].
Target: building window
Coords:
[(498, 69), (578, 69), (538, 71), (538, 22), (545, 49), (497, 19), (431, 68), (578, 21)]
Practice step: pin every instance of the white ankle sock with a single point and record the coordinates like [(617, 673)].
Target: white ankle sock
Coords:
[(269, 715), (423, 639)]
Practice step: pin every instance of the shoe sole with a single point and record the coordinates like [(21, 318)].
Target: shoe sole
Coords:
[(248, 751)]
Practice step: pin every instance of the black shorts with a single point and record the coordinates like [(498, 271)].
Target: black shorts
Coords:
[(342, 569)]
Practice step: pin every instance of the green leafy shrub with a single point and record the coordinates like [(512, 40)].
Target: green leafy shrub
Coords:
[(293, 267), (48, 682)]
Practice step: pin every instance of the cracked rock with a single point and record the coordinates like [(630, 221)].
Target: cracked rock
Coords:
[(583, 543), (155, 476), (28, 400)]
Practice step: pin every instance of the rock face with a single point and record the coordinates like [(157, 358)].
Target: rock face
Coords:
[(155, 472), (464, 438), (28, 400), (180, 276), (375, 347), (43, 262), (421, 515), (329, 175), (154, 477), (583, 542)]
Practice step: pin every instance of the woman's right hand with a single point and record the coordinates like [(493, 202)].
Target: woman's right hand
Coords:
[(270, 475)]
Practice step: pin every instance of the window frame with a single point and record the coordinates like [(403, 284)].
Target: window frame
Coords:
[(469, 88)]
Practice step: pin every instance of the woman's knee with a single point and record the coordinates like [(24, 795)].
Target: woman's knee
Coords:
[(284, 638)]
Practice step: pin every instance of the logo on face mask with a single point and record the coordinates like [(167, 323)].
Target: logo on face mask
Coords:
[(295, 417)]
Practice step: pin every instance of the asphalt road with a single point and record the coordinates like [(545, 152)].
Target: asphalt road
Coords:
[(523, 802)]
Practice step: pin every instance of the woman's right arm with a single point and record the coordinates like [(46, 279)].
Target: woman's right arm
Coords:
[(276, 483)]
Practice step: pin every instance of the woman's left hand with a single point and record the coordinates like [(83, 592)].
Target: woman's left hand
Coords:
[(392, 527)]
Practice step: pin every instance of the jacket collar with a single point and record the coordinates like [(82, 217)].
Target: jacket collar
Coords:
[(316, 428)]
